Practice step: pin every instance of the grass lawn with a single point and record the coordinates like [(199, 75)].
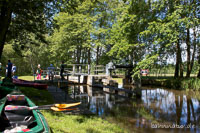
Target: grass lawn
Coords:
[(62, 123), (30, 78), (118, 80)]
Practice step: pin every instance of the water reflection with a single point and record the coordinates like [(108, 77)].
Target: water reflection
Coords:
[(163, 106)]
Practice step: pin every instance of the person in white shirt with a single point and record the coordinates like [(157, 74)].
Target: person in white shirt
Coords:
[(14, 68)]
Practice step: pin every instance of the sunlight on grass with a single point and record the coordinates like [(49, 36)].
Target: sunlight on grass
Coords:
[(118, 80), (62, 123), (30, 78)]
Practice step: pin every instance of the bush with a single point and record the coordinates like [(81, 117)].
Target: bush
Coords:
[(191, 83)]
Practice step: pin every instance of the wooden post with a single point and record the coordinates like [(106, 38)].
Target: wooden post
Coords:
[(74, 68), (138, 90), (74, 92), (90, 80), (79, 76), (80, 69), (88, 69)]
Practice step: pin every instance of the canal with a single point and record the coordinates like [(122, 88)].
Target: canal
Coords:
[(159, 109)]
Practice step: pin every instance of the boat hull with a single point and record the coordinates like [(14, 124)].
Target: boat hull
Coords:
[(32, 119), (29, 84)]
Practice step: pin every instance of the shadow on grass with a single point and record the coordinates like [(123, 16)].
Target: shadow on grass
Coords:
[(92, 131), (83, 118)]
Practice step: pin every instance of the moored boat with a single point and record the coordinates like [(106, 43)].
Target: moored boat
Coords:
[(26, 83), (14, 120)]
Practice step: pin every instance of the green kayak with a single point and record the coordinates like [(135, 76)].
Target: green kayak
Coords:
[(20, 121)]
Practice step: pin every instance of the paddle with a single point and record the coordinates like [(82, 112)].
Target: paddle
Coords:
[(62, 106), (55, 107), (12, 107), (66, 105), (59, 109)]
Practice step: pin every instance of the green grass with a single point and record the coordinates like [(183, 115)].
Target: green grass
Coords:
[(30, 78), (146, 115), (63, 123), (118, 80)]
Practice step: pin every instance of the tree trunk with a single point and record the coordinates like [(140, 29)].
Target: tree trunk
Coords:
[(198, 75), (31, 61), (97, 57), (194, 51), (5, 20), (181, 67), (181, 63), (188, 53), (79, 48), (74, 53), (85, 56), (89, 60), (178, 56)]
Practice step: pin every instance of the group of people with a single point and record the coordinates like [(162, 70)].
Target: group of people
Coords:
[(50, 72), (10, 69)]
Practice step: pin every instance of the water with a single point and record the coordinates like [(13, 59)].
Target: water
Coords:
[(159, 110)]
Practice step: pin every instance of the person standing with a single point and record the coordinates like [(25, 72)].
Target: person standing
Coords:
[(9, 73), (62, 67), (6, 70), (51, 72), (14, 68), (39, 72)]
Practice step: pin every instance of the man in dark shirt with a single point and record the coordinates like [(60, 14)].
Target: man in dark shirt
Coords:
[(9, 69), (62, 67)]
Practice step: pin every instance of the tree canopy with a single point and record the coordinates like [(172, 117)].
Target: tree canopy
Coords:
[(139, 33)]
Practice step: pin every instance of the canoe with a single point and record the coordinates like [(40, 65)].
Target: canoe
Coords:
[(26, 83), (30, 121)]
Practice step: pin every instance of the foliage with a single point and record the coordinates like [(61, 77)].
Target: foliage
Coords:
[(170, 82), (73, 34), (143, 34), (21, 18)]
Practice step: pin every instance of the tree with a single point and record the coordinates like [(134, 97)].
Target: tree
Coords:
[(171, 29), (25, 15), (71, 39)]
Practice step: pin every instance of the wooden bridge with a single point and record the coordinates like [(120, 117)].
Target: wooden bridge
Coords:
[(86, 69), (97, 76)]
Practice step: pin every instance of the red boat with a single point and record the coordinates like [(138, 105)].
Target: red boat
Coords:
[(20, 82)]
